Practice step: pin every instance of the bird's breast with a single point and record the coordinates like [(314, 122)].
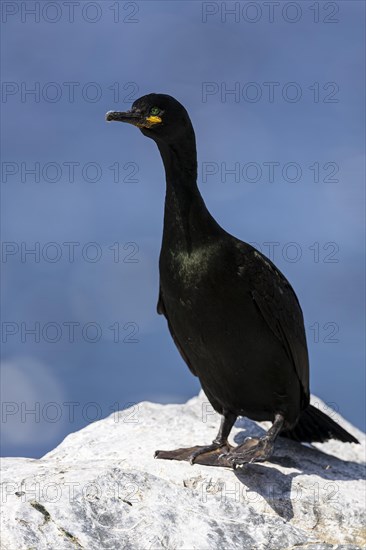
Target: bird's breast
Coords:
[(182, 270)]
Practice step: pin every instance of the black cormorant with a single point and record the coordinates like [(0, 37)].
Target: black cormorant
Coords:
[(232, 314)]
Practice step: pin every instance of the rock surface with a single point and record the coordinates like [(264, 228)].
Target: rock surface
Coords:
[(101, 488)]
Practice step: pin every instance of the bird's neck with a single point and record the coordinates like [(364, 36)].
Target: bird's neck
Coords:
[(187, 222)]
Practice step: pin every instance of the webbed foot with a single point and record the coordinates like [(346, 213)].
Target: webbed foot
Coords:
[(252, 450), (208, 455)]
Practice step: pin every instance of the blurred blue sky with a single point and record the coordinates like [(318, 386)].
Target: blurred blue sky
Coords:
[(309, 55)]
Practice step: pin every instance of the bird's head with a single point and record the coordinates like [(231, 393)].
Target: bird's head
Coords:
[(159, 117)]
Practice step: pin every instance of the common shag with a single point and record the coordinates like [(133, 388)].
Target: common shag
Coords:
[(232, 314)]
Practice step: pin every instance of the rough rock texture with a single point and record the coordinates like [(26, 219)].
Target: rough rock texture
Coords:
[(102, 489)]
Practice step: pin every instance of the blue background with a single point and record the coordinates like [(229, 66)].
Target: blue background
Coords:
[(171, 47)]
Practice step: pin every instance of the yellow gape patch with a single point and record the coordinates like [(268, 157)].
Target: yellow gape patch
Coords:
[(153, 120)]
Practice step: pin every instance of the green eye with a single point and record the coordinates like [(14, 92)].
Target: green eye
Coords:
[(155, 111)]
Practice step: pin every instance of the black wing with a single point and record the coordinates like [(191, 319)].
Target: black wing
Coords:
[(162, 311), (279, 306)]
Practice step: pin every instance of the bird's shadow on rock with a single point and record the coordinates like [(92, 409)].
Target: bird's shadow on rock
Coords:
[(276, 486)]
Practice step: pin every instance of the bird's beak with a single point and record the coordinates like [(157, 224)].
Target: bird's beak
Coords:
[(130, 117), (133, 118)]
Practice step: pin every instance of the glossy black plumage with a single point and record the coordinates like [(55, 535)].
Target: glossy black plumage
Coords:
[(232, 314)]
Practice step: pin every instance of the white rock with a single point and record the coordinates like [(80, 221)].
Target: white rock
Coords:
[(101, 488)]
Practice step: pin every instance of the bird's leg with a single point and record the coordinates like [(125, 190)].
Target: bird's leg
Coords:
[(256, 450), (220, 441), (192, 453)]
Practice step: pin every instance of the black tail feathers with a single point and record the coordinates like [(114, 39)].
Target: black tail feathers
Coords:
[(314, 425)]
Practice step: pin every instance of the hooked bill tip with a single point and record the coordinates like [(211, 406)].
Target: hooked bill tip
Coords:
[(109, 116)]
